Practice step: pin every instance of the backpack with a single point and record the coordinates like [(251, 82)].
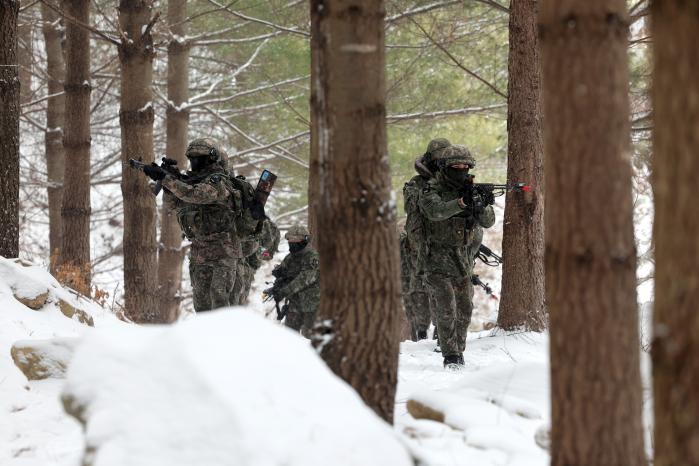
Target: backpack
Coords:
[(245, 222), (414, 223)]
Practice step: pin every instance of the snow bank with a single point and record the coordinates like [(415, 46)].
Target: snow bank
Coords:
[(493, 412), (33, 429), (228, 387)]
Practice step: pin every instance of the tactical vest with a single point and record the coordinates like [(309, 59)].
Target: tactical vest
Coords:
[(200, 220), (246, 224), (457, 231)]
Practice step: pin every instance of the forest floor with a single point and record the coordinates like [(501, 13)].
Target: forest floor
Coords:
[(496, 410)]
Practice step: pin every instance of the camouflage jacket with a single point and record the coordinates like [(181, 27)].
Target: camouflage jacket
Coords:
[(452, 232), (206, 207), (298, 280)]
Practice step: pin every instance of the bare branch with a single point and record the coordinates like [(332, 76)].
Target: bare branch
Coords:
[(443, 113), (259, 21)]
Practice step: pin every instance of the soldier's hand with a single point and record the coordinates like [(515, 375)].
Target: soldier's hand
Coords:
[(154, 172), (488, 198), (266, 255)]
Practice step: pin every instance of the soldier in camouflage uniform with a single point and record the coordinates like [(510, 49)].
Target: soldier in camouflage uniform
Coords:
[(256, 248), (206, 204), (453, 230), (297, 279), (416, 296)]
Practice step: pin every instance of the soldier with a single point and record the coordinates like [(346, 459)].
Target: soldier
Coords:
[(417, 301), (206, 204), (452, 231), (297, 279), (256, 248)]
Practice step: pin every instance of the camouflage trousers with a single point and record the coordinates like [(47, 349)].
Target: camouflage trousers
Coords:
[(245, 273), (300, 321), (417, 306), (452, 301), (212, 283)]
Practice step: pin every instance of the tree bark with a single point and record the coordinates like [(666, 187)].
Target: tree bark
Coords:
[(55, 118), (170, 249), (590, 251), (314, 160), (136, 119), (75, 209), (675, 31), (522, 301), (25, 51), (9, 130), (360, 289)]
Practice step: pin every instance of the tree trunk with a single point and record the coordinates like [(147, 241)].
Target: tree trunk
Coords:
[(171, 253), (53, 139), (590, 251), (136, 120), (74, 262), (522, 302), (9, 130), (357, 241), (25, 51), (314, 160), (675, 34)]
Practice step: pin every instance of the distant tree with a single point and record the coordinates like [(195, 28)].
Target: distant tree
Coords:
[(675, 31), (357, 328), (136, 119), (590, 251), (55, 119), (75, 208), (9, 130), (522, 301), (170, 249)]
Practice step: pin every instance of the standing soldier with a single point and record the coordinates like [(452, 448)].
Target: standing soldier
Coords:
[(207, 205), (297, 279), (416, 296), (453, 229), (258, 247)]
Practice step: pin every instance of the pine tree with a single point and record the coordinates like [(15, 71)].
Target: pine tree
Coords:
[(74, 260), (590, 251), (357, 332), (522, 301), (675, 32), (136, 119), (9, 130), (171, 254)]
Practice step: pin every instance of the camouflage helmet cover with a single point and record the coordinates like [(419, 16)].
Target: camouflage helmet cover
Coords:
[(454, 154), (206, 147), (297, 233), (437, 144)]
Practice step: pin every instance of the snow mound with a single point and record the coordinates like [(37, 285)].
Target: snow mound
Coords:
[(228, 387), (25, 405)]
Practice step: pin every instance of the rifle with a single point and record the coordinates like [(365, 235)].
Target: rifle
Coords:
[(487, 256), (480, 192), (169, 165), (486, 286)]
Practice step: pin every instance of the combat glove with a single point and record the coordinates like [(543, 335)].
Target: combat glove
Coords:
[(154, 172)]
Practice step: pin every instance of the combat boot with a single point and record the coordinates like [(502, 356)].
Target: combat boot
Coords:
[(421, 335), (453, 362)]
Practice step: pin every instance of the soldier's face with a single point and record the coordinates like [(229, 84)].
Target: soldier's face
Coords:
[(461, 166), (197, 163)]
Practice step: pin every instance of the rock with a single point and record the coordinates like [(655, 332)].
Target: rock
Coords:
[(542, 437), (35, 302), (41, 359), (421, 411), (70, 311)]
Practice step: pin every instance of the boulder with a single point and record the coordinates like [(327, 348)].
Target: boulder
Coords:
[(41, 359), (422, 411), (71, 311), (33, 301)]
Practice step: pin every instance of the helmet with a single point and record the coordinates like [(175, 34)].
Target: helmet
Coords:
[(437, 144), (297, 233), (206, 147), (454, 154)]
